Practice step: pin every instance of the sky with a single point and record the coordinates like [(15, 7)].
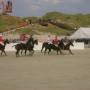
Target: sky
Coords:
[(40, 7)]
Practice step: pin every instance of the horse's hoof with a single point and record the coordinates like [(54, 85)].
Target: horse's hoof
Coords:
[(72, 53)]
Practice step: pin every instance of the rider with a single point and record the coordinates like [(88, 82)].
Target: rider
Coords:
[(62, 43), (49, 40), (66, 40), (23, 38), (1, 40), (55, 41), (30, 40)]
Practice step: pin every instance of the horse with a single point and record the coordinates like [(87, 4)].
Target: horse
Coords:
[(30, 47), (27, 47), (2, 47), (49, 47), (67, 46)]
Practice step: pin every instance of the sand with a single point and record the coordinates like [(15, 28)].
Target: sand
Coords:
[(49, 72)]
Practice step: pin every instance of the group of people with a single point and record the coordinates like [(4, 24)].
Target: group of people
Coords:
[(27, 43), (55, 41), (25, 39)]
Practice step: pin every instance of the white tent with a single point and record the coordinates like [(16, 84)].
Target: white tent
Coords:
[(81, 33)]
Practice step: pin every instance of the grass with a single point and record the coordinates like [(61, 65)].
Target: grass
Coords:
[(79, 20), (7, 22), (38, 29)]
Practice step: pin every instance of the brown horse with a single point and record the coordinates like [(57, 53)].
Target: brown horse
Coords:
[(67, 46), (25, 47), (50, 47), (57, 48)]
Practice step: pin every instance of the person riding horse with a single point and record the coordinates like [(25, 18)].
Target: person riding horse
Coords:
[(55, 41), (66, 46), (2, 47), (28, 46), (51, 45), (30, 41), (23, 38), (49, 40)]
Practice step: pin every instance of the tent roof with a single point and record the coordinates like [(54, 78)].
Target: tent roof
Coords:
[(81, 33)]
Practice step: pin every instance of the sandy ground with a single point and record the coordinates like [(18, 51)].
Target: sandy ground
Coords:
[(49, 72)]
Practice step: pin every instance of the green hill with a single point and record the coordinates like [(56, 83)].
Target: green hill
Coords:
[(77, 20), (52, 22), (8, 22)]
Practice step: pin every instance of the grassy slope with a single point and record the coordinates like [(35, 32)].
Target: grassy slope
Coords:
[(79, 20), (38, 29), (7, 22)]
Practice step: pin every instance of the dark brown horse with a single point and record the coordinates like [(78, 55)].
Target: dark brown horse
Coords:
[(2, 47), (50, 47), (30, 47), (25, 47), (57, 48), (67, 46)]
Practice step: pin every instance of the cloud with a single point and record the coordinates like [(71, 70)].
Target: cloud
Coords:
[(35, 7), (52, 1), (39, 7)]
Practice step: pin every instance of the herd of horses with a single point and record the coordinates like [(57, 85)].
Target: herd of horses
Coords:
[(46, 48)]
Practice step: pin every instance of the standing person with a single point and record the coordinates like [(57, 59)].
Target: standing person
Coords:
[(49, 40), (1, 40)]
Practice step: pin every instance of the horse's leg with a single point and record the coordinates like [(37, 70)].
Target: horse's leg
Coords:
[(70, 51), (49, 51), (57, 51), (45, 51), (4, 52), (42, 48), (25, 52), (60, 51), (21, 52), (1, 53), (31, 52), (17, 53)]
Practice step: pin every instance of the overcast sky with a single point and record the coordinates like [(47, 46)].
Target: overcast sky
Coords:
[(40, 7)]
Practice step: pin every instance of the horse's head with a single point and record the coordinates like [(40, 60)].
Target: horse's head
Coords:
[(36, 42), (71, 42), (6, 41)]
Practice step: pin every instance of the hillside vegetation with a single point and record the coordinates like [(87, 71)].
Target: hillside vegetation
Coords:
[(52, 22), (78, 20), (8, 22)]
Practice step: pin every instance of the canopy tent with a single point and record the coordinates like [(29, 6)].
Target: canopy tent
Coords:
[(81, 33)]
